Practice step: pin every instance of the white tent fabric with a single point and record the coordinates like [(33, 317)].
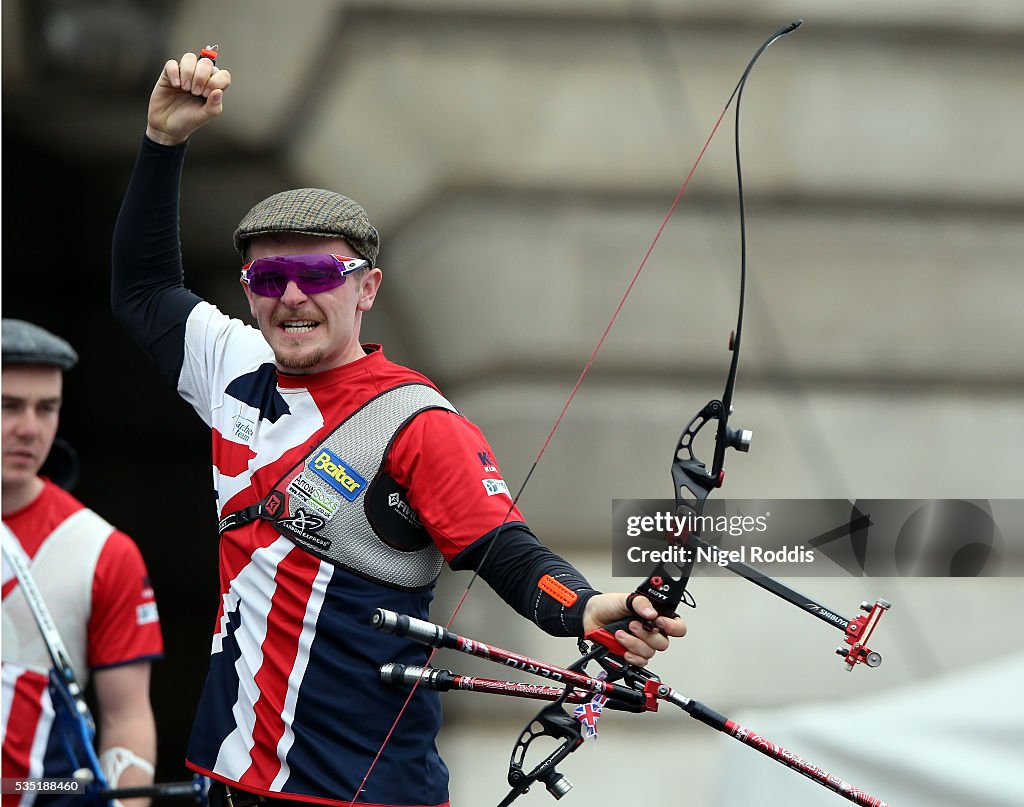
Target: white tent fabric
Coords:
[(956, 741)]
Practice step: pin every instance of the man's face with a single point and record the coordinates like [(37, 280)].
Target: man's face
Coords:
[(31, 405), (310, 333)]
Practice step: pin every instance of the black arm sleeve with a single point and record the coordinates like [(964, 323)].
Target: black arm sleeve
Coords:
[(147, 288), (514, 568)]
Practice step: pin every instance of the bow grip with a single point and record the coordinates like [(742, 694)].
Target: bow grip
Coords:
[(663, 591), (605, 635)]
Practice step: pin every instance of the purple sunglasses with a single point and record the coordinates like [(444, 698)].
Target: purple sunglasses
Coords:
[(313, 274)]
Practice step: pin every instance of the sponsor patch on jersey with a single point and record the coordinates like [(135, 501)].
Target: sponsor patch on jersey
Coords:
[(314, 541), (146, 614), (302, 522), (401, 506), (337, 473), (495, 486), (243, 428), (305, 528), (273, 505), (314, 495), (487, 462)]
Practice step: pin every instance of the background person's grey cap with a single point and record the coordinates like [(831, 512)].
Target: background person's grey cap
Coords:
[(25, 343), (311, 211)]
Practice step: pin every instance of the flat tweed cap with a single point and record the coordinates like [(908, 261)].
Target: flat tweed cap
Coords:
[(25, 343), (311, 211)]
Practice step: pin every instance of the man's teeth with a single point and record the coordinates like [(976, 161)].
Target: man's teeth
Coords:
[(298, 327)]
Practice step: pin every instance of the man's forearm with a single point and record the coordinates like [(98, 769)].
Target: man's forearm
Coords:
[(516, 566), (147, 289), (137, 735), (126, 721)]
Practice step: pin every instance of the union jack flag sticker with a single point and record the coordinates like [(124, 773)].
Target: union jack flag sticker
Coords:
[(588, 714)]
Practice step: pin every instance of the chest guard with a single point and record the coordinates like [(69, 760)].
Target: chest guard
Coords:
[(339, 505)]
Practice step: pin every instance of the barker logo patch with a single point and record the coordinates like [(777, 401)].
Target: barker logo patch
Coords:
[(338, 474)]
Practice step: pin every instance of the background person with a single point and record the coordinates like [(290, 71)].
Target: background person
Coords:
[(92, 578)]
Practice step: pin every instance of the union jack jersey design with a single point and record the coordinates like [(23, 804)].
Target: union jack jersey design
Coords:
[(293, 706), (95, 585)]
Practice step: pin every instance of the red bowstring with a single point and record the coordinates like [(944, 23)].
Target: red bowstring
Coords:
[(558, 421)]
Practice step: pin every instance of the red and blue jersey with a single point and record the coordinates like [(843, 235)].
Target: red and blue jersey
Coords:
[(293, 706), (96, 587)]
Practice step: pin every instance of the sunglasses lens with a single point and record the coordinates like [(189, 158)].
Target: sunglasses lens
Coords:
[(267, 283), (313, 274), (315, 281)]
